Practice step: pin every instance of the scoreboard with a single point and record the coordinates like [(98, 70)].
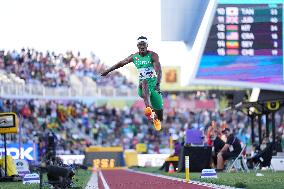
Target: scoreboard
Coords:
[(246, 30), (245, 45)]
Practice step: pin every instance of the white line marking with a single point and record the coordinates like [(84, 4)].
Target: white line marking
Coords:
[(215, 186), (93, 182), (104, 180)]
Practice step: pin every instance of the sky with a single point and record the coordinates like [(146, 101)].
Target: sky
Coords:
[(106, 27), (109, 28)]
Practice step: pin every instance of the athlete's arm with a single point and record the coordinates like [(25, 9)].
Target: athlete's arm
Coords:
[(118, 65), (158, 69)]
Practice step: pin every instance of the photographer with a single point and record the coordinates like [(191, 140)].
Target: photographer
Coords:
[(51, 146)]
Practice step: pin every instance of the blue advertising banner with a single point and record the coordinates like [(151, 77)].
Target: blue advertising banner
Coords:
[(28, 151)]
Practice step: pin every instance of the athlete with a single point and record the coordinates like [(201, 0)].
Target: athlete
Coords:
[(150, 74)]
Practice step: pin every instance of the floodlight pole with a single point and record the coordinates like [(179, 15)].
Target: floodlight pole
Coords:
[(267, 124), (273, 126), (251, 116), (259, 129), (252, 129)]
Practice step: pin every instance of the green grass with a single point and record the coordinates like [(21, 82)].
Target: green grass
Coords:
[(81, 179), (273, 180)]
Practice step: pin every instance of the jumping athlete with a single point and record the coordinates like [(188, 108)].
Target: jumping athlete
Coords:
[(150, 74)]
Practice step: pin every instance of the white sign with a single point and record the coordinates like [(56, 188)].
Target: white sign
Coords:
[(31, 179), (277, 163), (151, 160), (72, 159), (208, 173), (22, 167)]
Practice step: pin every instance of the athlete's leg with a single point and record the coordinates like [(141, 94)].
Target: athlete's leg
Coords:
[(159, 114), (156, 100), (143, 92)]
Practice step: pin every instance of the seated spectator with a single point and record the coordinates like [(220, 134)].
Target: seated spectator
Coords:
[(177, 149), (263, 154), (54, 70), (218, 144), (231, 149)]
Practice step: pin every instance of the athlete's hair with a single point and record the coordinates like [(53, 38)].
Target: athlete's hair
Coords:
[(142, 37)]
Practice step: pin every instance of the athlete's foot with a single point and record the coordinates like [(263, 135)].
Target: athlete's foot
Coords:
[(148, 113), (157, 124), (152, 116)]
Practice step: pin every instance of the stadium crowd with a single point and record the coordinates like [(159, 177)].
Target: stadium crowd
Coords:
[(54, 70), (78, 125)]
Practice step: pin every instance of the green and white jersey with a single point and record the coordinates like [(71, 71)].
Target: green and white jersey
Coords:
[(144, 65)]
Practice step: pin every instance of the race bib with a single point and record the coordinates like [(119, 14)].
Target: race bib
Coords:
[(146, 73)]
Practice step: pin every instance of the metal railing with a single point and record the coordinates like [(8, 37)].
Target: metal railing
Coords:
[(73, 92)]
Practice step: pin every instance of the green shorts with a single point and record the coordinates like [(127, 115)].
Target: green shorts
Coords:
[(156, 98)]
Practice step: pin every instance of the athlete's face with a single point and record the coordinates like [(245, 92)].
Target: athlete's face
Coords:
[(142, 47)]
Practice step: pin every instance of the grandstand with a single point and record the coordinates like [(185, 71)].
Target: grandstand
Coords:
[(60, 76)]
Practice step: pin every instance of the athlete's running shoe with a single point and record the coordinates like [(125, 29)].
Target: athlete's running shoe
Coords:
[(150, 114), (157, 124)]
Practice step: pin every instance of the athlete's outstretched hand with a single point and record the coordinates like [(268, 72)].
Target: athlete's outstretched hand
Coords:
[(104, 73)]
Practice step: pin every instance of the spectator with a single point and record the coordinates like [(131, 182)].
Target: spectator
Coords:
[(177, 149), (231, 149), (54, 70), (263, 154), (113, 126), (218, 144)]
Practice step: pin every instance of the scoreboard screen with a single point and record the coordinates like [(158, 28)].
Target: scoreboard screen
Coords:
[(245, 45)]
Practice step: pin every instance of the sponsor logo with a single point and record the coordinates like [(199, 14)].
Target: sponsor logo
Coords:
[(31, 178), (151, 160), (27, 151), (208, 173), (19, 163), (71, 159)]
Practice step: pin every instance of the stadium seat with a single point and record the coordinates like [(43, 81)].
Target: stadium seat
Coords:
[(239, 163)]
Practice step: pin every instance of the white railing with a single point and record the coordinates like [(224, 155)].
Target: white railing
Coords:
[(74, 92)]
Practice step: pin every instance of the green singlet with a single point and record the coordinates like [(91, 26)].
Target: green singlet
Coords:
[(146, 71)]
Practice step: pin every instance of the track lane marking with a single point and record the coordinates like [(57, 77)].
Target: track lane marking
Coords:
[(106, 186), (214, 186), (93, 182)]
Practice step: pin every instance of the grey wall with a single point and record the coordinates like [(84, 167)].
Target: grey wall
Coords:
[(180, 19)]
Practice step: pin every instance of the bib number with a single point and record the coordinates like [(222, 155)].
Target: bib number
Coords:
[(146, 73)]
